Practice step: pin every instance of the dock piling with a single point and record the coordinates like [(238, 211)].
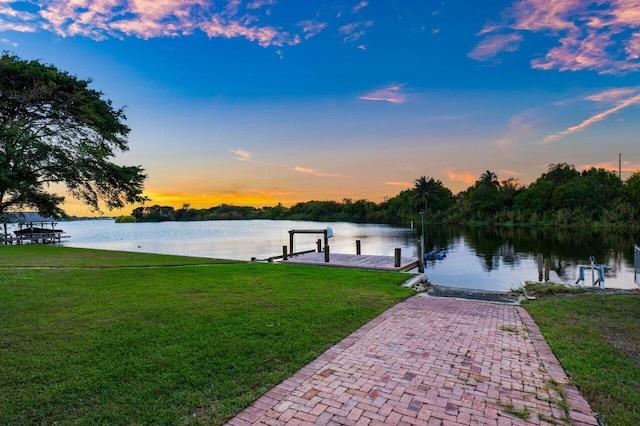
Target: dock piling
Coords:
[(421, 256), (540, 266), (358, 251), (397, 259), (547, 268), (326, 254)]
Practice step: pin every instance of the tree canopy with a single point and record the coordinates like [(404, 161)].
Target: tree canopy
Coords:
[(54, 129)]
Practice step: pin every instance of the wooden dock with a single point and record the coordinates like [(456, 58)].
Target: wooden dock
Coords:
[(369, 262), (34, 238)]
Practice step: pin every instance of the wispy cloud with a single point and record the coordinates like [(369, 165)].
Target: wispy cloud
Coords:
[(520, 126), (101, 19), (620, 98), (492, 45), (257, 4), (510, 173), (9, 42), (401, 184), (391, 94), (314, 172), (241, 154), (244, 155), (446, 117), (612, 166), (311, 28), (591, 34), (357, 8), (354, 31)]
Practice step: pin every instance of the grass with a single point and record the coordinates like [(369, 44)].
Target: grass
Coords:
[(596, 337), (550, 288), (96, 337), (522, 413)]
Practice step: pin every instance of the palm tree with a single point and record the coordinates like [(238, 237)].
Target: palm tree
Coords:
[(561, 172), (424, 189), (489, 179)]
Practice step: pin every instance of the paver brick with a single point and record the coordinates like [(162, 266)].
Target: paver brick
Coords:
[(428, 361)]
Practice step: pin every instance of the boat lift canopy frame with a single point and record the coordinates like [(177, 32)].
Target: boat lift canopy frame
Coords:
[(328, 233)]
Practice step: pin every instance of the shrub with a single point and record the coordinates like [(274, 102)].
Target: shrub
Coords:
[(126, 219)]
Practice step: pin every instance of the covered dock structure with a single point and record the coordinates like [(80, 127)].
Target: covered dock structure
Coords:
[(32, 228)]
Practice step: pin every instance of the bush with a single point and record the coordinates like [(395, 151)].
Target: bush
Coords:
[(126, 219)]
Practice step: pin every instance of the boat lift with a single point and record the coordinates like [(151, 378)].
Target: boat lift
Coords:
[(599, 268)]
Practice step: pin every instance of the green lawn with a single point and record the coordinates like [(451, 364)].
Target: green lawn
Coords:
[(97, 337), (597, 340)]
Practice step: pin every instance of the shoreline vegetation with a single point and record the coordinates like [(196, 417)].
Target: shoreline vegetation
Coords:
[(561, 197)]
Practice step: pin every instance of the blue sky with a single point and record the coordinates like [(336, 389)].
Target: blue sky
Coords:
[(263, 101)]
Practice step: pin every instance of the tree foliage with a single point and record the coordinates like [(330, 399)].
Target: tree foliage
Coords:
[(54, 129)]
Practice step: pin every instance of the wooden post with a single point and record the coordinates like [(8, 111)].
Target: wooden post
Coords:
[(319, 243), (358, 251), (284, 252), (547, 266), (291, 241), (421, 256), (540, 266), (326, 239), (396, 262), (326, 253), (5, 234)]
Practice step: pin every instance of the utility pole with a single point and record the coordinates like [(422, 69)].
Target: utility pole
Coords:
[(620, 165)]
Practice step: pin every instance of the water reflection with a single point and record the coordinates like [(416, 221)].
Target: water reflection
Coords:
[(500, 252), (477, 257)]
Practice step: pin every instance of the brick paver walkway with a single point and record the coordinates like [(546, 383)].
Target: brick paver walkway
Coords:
[(431, 361)]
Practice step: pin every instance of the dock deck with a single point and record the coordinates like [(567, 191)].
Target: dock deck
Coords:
[(369, 262)]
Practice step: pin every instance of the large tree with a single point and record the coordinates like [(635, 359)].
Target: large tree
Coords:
[(54, 129)]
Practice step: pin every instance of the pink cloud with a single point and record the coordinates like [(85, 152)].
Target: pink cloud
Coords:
[(542, 15), (465, 177), (389, 94), (402, 184), (100, 19), (612, 95), (241, 153), (357, 8), (311, 28), (633, 47), (619, 105), (492, 45), (314, 172), (257, 4), (592, 34), (354, 31)]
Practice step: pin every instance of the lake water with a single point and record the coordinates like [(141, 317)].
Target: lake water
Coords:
[(482, 258)]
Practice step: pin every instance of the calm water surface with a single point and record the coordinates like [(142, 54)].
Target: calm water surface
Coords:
[(482, 258)]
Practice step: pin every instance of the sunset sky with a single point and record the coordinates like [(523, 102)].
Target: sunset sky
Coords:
[(256, 102)]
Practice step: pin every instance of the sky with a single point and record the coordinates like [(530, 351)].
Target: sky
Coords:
[(260, 102)]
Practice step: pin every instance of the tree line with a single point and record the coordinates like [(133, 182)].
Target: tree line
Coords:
[(562, 196)]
